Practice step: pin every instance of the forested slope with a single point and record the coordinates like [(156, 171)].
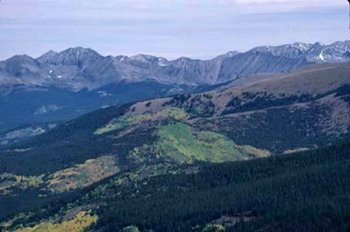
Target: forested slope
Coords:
[(308, 191)]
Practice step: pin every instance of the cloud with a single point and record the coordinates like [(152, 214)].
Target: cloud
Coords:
[(280, 6), (293, 3)]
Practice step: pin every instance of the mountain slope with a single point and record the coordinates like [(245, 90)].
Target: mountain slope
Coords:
[(285, 114), (312, 103), (62, 85)]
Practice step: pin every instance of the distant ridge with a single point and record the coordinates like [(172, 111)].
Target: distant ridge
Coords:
[(80, 67)]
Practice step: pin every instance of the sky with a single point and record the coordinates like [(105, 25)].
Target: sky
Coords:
[(169, 28)]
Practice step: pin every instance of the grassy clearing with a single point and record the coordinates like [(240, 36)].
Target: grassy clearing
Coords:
[(83, 175), (129, 120), (180, 142), (8, 181), (79, 176), (79, 223), (115, 124)]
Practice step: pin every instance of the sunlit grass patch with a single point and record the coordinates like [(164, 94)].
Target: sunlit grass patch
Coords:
[(181, 142), (132, 119), (83, 175), (79, 223), (8, 181)]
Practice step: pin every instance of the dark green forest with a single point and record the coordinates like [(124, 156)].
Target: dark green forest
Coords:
[(308, 191), (304, 192)]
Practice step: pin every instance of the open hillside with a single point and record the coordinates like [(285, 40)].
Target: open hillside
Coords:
[(300, 110)]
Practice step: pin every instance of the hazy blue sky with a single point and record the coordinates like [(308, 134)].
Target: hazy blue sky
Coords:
[(170, 28)]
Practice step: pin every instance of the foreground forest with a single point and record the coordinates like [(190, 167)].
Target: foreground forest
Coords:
[(308, 191)]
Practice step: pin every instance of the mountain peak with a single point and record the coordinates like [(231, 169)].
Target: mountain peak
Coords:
[(144, 58), (318, 44), (148, 59), (80, 52), (21, 59), (302, 46), (47, 56), (231, 53), (70, 56)]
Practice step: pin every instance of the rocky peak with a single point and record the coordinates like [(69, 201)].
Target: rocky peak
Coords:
[(71, 56)]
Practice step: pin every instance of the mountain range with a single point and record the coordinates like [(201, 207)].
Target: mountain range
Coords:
[(80, 68), (58, 86)]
